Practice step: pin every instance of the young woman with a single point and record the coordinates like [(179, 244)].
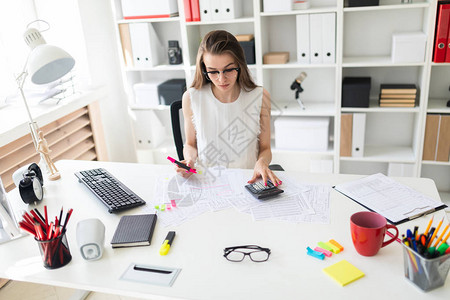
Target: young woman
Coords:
[(226, 115)]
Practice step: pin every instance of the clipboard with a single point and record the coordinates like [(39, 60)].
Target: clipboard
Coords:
[(405, 203)]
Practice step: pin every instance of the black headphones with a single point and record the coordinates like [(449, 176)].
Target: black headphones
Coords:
[(30, 187)]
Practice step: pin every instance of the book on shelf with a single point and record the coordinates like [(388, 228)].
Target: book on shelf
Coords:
[(441, 34), (398, 96), (443, 146), (398, 89), (436, 145), (353, 127), (125, 40), (346, 134), (397, 104), (397, 100), (134, 230), (358, 134)]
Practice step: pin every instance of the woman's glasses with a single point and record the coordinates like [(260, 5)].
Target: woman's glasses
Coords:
[(227, 73), (238, 253)]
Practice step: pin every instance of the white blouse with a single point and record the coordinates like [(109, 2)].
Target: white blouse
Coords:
[(227, 133)]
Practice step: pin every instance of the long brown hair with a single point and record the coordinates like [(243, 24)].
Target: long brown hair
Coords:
[(220, 42)]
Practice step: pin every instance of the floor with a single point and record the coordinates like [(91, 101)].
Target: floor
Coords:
[(16, 290)]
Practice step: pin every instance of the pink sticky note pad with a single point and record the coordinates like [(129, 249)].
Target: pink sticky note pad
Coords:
[(174, 204), (168, 206)]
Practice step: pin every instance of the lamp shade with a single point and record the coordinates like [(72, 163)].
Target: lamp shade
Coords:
[(48, 63)]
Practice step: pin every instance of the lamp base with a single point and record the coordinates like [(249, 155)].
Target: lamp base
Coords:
[(54, 176)]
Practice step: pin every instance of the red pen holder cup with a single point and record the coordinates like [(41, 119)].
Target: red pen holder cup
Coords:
[(427, 274), (55, 253)]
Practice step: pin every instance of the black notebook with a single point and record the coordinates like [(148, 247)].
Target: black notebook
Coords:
[(134, 230)]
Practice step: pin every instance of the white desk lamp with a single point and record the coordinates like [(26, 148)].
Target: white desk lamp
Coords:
[(45, 63)]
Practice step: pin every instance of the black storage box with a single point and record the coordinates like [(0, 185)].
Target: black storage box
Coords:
[(249, 51), (354, 3), (355, 91), (171, 90)]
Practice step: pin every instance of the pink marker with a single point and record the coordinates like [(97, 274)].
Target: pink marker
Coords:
[(181, 165)]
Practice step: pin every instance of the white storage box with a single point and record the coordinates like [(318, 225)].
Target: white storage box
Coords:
[(277, 5), (146, 93), (301, 133), (408, 47), (143, 9)]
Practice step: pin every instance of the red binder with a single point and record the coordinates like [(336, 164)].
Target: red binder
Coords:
[(440, 43), (195, 7), (187, 10)]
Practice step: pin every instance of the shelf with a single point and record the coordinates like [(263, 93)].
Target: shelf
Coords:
[(276, 31), (329, 151), (158, 107), (438, 106), (388, 7), (375, 61), (149, 20), (296, 65), (435, 163), (251, 67), (385, 154), (179, 67), (312, 10), (292, 108), (233, 21), (433, 64), (374, 107)]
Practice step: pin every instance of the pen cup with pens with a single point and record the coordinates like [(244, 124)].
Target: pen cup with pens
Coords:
[(50, 236), (427, 274), (55, 252), (426, 256)]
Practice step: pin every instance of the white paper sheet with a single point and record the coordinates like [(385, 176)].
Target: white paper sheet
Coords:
[(221, 189)]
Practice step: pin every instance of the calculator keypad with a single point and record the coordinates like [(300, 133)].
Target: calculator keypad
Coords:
[(260, 191)]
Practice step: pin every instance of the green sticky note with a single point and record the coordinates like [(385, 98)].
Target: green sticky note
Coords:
[(343, 272)]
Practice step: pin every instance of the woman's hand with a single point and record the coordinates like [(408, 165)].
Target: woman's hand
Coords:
[(262, 170), (183, 172)]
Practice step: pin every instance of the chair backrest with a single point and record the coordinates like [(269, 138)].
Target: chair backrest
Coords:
[(175, 109)]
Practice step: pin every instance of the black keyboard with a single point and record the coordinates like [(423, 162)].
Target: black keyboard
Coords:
[(113, 193)]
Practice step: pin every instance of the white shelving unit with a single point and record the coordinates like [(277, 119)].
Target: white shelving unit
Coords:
[(363, 47)]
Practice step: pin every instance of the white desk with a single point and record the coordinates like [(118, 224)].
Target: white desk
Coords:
[(198, 248)]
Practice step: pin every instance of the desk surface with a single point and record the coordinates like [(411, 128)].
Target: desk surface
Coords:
[(198, 248)]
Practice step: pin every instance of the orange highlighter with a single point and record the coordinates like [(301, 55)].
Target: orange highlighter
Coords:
[(167, 242)]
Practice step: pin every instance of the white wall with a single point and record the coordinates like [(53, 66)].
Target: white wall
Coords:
[(85, 28)]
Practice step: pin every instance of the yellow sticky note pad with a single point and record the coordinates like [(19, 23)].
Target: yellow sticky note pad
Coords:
[(343, 272)]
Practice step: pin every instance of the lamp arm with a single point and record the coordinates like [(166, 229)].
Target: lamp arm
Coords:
[(32, 124)]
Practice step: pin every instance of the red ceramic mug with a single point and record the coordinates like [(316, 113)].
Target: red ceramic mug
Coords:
[(368, 230)]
